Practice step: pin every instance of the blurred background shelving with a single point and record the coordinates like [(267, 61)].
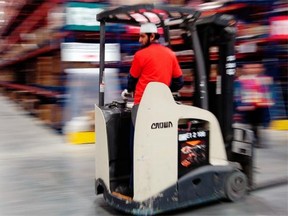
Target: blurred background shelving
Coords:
[(34, 74)]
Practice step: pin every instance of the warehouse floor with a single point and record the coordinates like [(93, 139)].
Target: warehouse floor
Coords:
[(41, 174)]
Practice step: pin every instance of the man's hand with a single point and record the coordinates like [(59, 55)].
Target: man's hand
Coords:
[(125, 94)]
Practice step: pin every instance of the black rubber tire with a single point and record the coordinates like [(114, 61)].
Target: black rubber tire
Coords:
[(236, 186)]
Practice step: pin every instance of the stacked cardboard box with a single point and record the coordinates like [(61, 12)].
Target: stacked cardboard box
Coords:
[(48, 71), (6, 75)]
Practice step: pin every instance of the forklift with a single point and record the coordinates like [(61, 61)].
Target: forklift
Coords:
[(183, 155)]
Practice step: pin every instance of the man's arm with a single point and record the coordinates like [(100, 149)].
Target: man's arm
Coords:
[(176, 83), (132, 81), (134, 73)]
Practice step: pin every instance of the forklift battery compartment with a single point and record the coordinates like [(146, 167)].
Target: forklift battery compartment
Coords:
[(193, 145)]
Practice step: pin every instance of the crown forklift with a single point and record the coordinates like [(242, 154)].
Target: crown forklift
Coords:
[(183, 154)]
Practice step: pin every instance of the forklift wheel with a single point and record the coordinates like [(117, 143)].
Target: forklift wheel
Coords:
[(236, 186)]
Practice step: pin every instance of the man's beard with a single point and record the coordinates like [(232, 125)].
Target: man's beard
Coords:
[(146, 44)]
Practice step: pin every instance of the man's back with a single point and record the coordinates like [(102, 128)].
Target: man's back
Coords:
[(154, 63)]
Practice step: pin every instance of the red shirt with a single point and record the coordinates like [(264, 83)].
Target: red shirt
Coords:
[(155, 63)]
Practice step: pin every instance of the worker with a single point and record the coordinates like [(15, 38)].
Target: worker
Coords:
[(254, 99), (152, 63)]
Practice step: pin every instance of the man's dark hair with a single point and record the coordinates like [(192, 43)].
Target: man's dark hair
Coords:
[(157, 36)]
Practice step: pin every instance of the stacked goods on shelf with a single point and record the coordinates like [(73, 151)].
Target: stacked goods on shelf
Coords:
[(49, 71), (30, 64), (187, 90), (185, 56), (7, 75)]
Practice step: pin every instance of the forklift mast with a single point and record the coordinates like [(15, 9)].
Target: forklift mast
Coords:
[(218, 32)]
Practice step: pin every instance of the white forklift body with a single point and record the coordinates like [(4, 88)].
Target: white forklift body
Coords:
[(156, 155)]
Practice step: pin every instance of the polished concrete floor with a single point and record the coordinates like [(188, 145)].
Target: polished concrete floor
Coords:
[(42, 175)]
